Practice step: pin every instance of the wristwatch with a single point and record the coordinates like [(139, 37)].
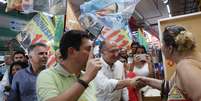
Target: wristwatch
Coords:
[(82, 82)]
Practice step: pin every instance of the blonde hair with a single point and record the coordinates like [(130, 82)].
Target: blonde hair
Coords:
[(179, 38), (185, 41)]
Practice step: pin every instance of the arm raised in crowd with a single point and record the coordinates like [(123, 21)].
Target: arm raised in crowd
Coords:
[(51, 92)]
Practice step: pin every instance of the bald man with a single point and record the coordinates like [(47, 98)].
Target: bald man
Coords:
[(110, 80)]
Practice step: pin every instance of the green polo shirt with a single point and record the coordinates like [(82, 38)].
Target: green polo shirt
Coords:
[(54, 81)]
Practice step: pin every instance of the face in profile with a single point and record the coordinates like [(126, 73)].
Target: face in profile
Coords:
[(15, 68), (166, 51), (83, 54)]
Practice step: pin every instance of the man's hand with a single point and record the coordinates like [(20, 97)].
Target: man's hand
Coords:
[(92, 68), (138, 82)]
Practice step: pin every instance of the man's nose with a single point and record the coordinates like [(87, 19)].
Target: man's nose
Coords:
[(45, 54), (116, 53)]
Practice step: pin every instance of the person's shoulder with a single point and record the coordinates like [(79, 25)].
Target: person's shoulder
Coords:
[(21, 72), (45, 75), (119, 63), (47, 72), (185, 65), (20, 75)]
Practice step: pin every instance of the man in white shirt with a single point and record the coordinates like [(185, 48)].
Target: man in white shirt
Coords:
[(110, 80)]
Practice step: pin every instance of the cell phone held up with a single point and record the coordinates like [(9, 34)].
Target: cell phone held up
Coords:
[(96, 49), (141, 57)]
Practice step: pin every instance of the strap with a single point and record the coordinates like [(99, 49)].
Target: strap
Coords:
[(82, 82)]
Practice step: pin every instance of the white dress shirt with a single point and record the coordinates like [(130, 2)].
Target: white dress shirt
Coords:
[(106, 81)]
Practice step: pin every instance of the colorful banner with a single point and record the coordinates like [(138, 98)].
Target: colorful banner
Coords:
[(39, 30), (113, 13), (108, 18), (71, 18), (141, 38), (45, 25), (59, 29), (121, 37)]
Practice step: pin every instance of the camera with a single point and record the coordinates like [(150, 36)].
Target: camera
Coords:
[(141, 57)]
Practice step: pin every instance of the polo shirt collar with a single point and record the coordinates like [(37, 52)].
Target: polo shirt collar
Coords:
[(29, 69), (63, 72)]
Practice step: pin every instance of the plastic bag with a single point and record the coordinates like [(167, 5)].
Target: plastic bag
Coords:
[(94, 5), (55, 7), (113, 13), (91, 23)]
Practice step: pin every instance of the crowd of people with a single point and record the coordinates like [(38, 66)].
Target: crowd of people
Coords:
[(118, 75)]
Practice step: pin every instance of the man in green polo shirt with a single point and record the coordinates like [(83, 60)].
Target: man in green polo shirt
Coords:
[(65, 81)]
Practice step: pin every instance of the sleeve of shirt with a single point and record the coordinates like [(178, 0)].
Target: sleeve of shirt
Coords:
[(45, 86), (125, 94), (104, 84), (5, 81), (15, 91)]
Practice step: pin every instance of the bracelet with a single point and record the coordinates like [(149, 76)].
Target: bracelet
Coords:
[(162, 89), (82, 82), (165, 89)]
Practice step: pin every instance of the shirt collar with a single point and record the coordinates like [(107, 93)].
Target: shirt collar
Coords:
[(30, 69), (59, 68), (107, 65)]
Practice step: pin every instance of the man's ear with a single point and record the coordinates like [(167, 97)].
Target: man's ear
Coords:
[(71, 51), (29, 56)]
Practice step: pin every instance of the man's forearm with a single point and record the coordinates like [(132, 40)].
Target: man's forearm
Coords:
[(153, 82), (71, 94)]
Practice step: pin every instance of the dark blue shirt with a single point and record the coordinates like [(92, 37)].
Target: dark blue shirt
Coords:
[(23, 86)]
